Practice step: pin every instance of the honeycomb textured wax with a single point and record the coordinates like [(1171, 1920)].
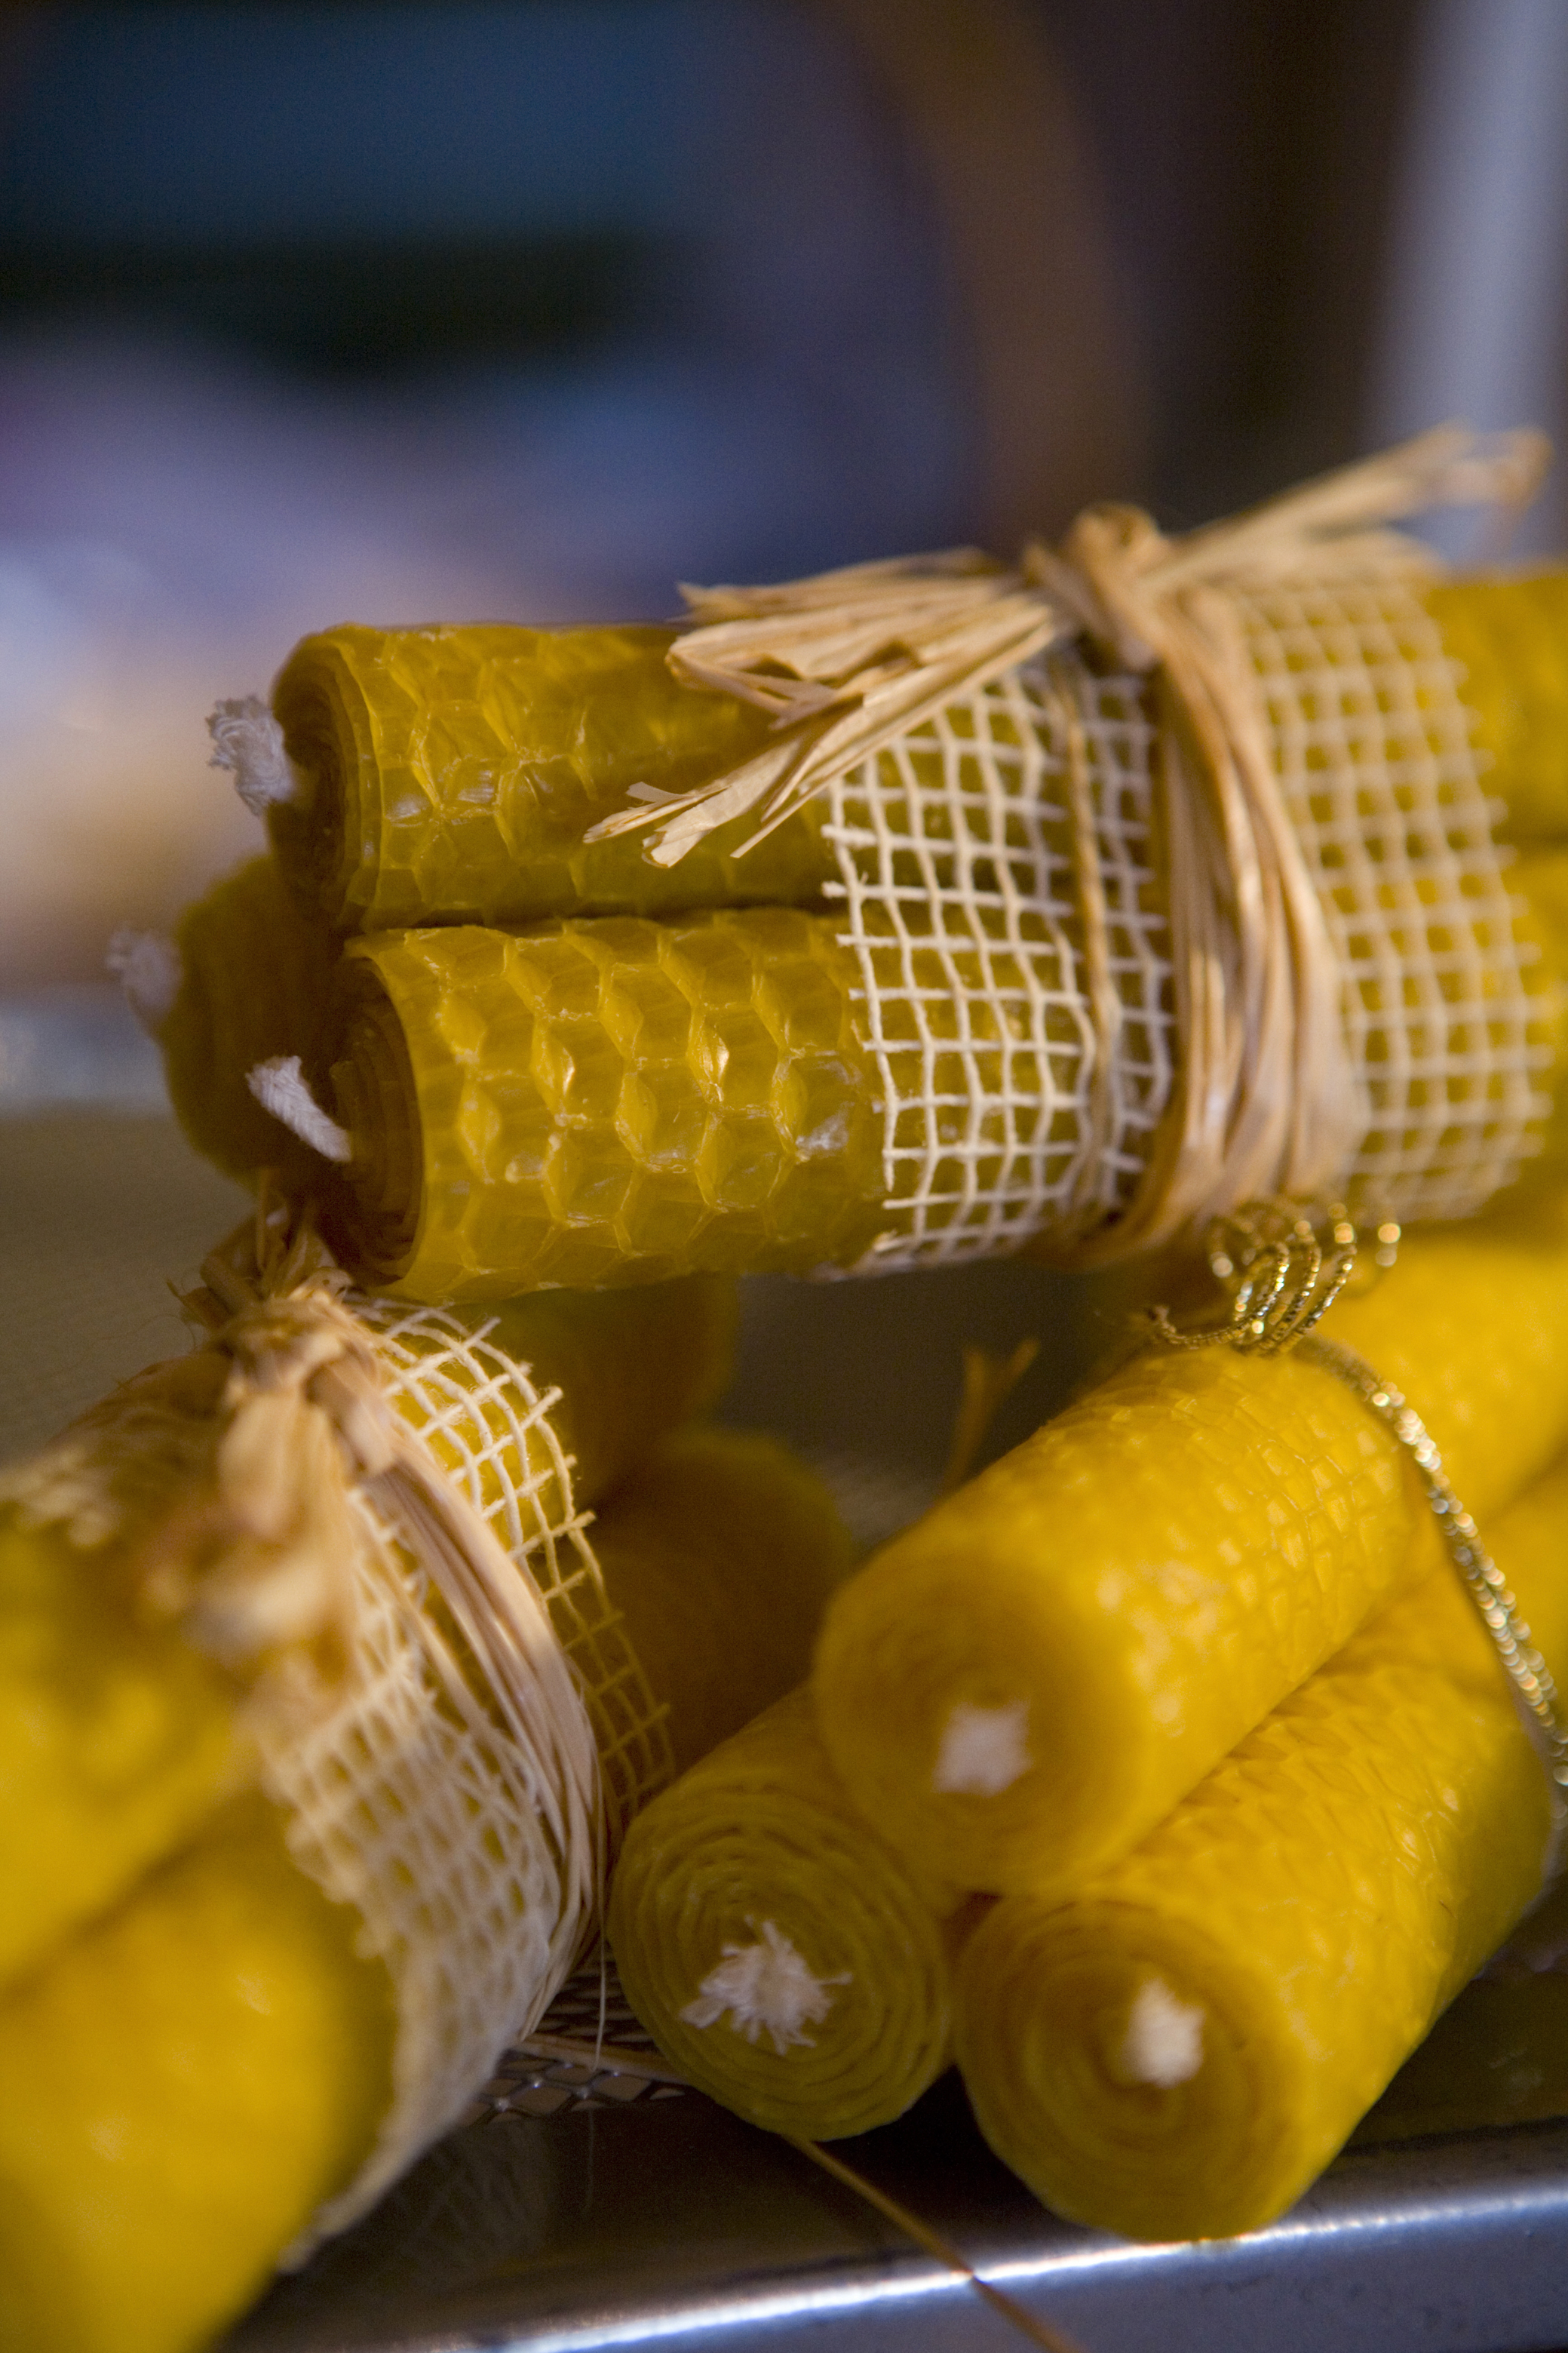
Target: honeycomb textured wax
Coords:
[(1511, 637), (780, 1953), (1017, 1688), (184, 2083), (1179, 2048), (117, 1740), (604, 1102), (253, 971), (449, 775), (189, 2077)]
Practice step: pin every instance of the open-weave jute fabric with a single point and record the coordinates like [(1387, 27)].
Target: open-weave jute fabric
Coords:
[(1168, 865), (363, 1511)]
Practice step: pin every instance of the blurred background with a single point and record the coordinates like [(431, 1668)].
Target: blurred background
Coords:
[(531, 308)]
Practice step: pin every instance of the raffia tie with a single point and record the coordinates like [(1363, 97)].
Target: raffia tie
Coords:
[(1268, 1100), (258, 1566)]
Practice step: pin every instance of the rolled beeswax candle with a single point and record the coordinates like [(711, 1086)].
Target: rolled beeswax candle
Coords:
[(1016, 1689), (1177, 2050), (242, 981), (117, 1740), (184, 2083), (117, 1737), (449, 775), (777, 1949), (721, 1551), (605, 1102), (175, 2171), (1511, 638)]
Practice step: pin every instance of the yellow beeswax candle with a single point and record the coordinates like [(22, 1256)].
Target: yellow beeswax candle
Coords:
[(1180, 2047), (117, 1737), (781, 1954), (1511, 635), (184, 2083), (605, 1102), (1016, 1689), (248, 971), (721, 1551), (449, 775), (190, 2076)]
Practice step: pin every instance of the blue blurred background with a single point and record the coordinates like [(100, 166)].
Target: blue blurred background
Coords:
[(401, 312)]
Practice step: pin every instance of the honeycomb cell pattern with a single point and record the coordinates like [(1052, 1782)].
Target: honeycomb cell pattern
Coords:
[(612, 1101), (453, 772)]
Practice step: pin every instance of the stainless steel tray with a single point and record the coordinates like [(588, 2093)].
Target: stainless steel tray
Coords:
[(674, 2224)]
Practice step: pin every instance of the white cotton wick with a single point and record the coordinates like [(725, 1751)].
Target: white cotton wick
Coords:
[(767, 1988), (983, 1750), (147, 967), (248, 743), (279, 1087), (1165, 2042)]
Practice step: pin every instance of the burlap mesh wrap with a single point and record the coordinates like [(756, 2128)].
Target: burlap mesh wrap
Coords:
[(966, 912)]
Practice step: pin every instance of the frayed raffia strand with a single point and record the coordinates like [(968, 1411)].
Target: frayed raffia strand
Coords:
[(1266, 1096)]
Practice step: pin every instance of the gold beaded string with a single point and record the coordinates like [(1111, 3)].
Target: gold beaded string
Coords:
[(1282, 1280)]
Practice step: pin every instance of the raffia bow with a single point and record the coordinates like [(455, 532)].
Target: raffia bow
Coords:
[(846, 663)]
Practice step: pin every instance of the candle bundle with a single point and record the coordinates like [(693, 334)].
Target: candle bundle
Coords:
[(1048, 909), (119, 1735), (1184, 2002), (1099, 896), (1024, 1683), (1178, 2047), (313, 1984)]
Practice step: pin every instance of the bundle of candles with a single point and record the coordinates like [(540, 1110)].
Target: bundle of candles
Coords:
[(1164, 1773)]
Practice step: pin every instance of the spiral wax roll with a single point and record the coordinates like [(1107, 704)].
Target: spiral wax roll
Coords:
[(117, 1737), (449, 775), (190, 2075), (243, 980), (1179, 2048), (1016, 1689), (780, 1952)]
